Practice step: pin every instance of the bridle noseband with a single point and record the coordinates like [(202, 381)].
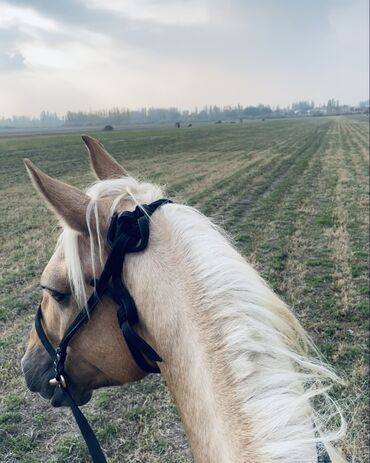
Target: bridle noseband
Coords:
[(128, 232)]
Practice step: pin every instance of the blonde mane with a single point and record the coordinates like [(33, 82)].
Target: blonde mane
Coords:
[(276, 371)]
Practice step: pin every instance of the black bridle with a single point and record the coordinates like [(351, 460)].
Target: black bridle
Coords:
[(128, 232)]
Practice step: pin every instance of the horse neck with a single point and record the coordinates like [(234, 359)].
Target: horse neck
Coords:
[(194, 368), (232, 388), (197, 378)]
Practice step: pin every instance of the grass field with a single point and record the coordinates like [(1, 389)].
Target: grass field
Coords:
[(294, 195)]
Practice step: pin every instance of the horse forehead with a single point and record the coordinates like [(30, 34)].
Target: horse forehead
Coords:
[(55, 272), (56, 269)]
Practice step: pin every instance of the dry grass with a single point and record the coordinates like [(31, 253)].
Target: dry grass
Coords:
[(293, 194)]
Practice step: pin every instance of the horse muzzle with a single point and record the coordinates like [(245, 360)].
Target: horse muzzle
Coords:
[(38, 372)]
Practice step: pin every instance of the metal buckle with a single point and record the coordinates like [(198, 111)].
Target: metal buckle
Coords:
[(60, 382)]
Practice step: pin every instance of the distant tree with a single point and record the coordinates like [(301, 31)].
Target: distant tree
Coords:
[(302, 106), (331, 106), (364, 104), (257, 111)]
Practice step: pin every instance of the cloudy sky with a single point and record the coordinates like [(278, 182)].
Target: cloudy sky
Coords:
[(91, 54)]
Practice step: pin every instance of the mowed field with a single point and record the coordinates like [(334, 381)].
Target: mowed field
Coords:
[(294, 196)]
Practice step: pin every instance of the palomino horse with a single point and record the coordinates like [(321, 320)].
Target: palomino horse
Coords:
[(239, 366)]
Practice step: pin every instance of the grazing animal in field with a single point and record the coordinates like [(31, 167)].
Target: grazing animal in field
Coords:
[(238, 365)]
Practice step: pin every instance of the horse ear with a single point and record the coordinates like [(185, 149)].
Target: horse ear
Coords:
[(69, 203), (102, 163)]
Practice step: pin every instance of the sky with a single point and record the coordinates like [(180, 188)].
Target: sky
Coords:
[(95, 54)]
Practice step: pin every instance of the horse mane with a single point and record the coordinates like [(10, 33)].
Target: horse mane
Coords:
[(277, 371), (278, 375)]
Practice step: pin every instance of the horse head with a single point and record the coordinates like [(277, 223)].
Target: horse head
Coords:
[(98, 356)]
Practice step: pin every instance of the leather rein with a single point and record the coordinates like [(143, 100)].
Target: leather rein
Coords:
[(128, 232)]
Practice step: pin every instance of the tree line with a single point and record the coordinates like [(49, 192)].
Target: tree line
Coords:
[(212, 113)]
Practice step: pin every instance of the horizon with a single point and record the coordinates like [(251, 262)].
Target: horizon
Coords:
[(83, 55), (196, 108)]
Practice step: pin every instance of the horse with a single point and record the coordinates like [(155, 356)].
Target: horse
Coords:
[(248, 383)]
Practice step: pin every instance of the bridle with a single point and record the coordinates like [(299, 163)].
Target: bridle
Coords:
[(128, 232)]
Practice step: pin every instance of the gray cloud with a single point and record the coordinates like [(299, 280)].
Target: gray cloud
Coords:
[(12, 61), (245, 51), (239, 32)]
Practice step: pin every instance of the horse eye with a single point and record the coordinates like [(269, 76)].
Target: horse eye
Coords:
[(59, 297), (56, 295)]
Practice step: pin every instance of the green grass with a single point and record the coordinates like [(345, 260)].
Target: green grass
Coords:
[(292, 193)]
